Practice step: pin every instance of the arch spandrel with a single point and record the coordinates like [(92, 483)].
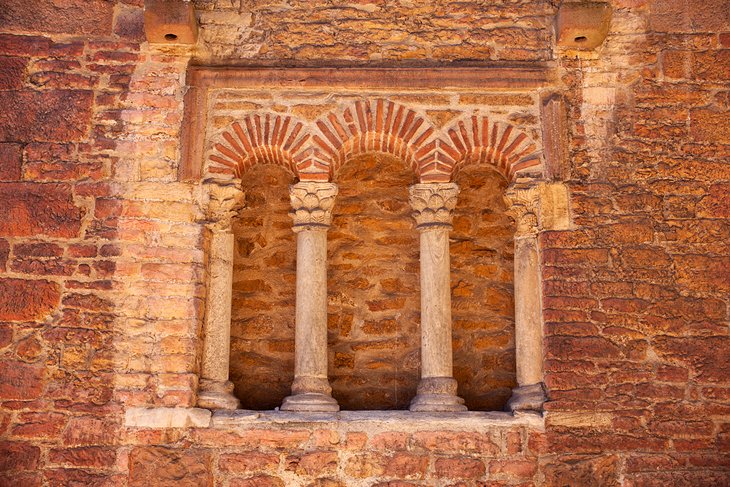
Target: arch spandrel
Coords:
[(261, 138), (314, 151), (374, 125), (479, 139)]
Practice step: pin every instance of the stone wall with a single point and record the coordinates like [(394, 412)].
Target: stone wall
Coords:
[(102, 263)]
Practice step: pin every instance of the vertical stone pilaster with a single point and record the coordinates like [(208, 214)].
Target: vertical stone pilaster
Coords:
[(530, 394), (216, 391), (433, 205), (312, 204)]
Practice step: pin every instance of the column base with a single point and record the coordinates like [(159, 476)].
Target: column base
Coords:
[(310, 401), (527, 398), (437, 394), (215, 394)]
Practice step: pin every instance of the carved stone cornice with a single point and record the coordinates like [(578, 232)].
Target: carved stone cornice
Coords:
[(312, 204), (224, 199), (433, 203), (523, 204)]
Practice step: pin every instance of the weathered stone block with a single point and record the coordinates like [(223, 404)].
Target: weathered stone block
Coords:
[(25, 300), (168, 467), (583, 25), (88, 17), (20, 381), (62, 115), (10, 162), (170, 22), (38, 209)]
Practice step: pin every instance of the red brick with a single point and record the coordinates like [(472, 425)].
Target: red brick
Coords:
[(16, 456), (248, 462), (257, 481), (311, 464), (4, 251), (584, 347), (405, 465), (61, 115), (459, 468), (390, 441), (24, 45), (38, 209), (96, 457), (87, 17), (86, 430), (513, 468), (455, 442), (25, 300), (12, 72), (10, 162), (708, 125), (39, 425), (166, 467), (716, 204)]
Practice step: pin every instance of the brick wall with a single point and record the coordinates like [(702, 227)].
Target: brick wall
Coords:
[(101, 259)]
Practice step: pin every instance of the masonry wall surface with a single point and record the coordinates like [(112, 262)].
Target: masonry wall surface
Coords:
[(102, 263)]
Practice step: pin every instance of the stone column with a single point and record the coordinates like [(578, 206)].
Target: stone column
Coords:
[(312, 213), (433, 205), (216, 391), (530, 393)]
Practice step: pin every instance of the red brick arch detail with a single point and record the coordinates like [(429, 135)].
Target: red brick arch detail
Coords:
[(478, 140), (373, 126), (263, 138)]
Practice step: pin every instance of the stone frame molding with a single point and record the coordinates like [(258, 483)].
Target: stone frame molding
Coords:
[(312, 152)]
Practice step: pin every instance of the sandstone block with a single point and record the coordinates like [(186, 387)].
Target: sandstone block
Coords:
[(89, 17), (20, 381), (10, 162), (459, 468), (16, 456), (12, 72), (170, 22), (167, 467), (25, 300), (61, 115), (35, 209)]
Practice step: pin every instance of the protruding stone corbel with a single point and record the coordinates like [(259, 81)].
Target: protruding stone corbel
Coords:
[(223, 201), (170, 22), (524, 205), (433, 205), (583, 25), (312, 204)]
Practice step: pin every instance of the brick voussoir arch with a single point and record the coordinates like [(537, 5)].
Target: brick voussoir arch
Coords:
[(265, 138), (476, 139), (377, 125)]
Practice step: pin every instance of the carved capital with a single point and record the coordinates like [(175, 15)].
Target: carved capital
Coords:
[(224, 200), (523, 204), (433, 203), (312, 204)]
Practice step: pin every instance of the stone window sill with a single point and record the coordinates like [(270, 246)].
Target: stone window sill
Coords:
[(390, 420)]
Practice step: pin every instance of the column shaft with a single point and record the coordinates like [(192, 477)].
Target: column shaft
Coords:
[(436, 353), (215, 390), (217, 329), (433, 205), (530, 393), (310, 339), (311, 210), (528, 325)]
